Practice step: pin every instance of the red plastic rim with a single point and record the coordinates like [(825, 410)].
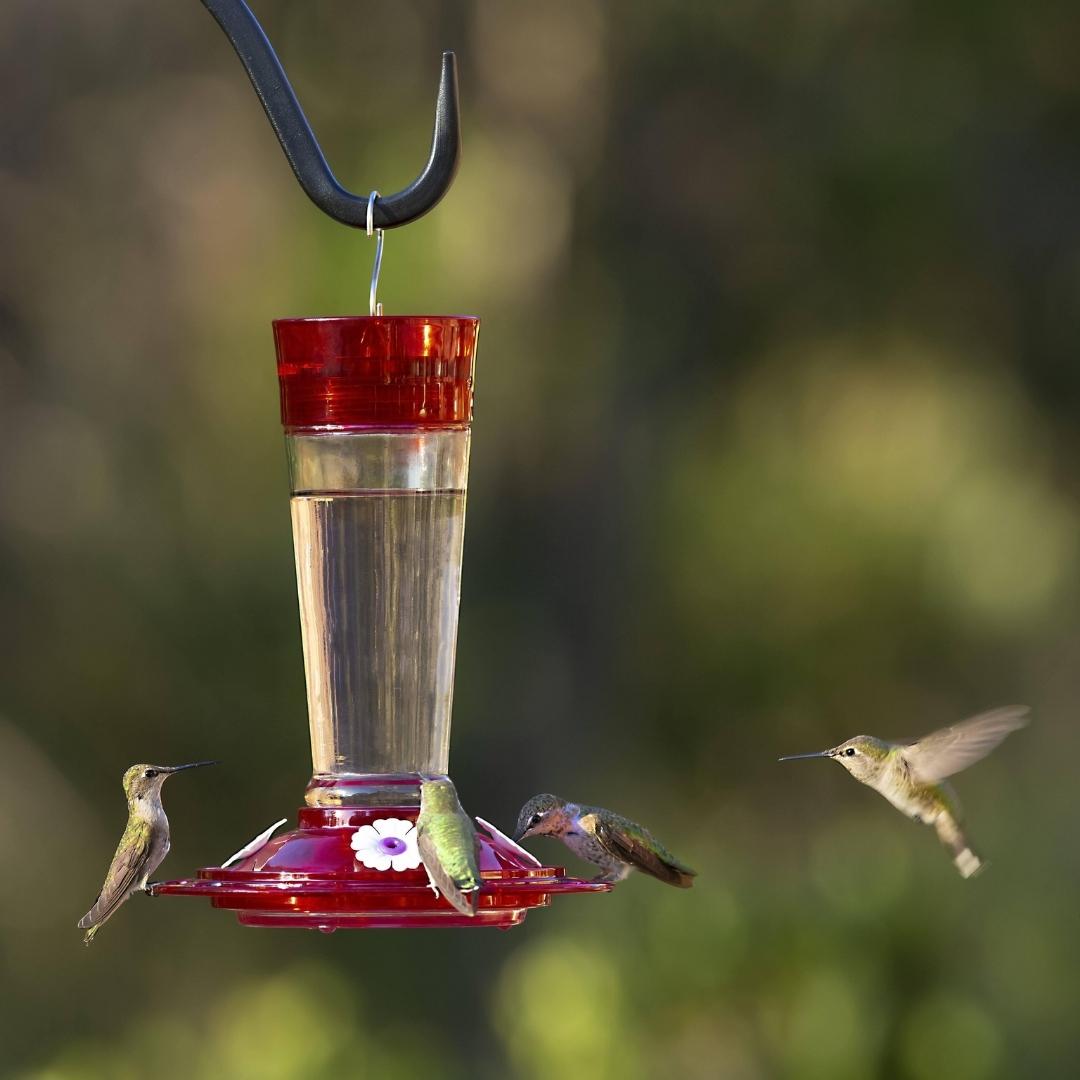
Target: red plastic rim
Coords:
[(310, 878), (380, 371)]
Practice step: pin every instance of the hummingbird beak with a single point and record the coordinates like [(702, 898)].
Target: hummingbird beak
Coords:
[(194, 765), (800, 757)]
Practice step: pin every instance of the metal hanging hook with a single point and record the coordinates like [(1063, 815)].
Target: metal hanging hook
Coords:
[(302, 149), (375, 308)]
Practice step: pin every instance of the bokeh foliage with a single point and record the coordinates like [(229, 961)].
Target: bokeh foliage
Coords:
[(776, 427)]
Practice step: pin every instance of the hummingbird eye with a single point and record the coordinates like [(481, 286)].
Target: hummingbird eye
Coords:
[(850, 751), (536, 819), (150, 774)]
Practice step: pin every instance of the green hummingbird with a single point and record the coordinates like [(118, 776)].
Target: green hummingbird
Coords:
[(911, 775), (448, 845), (143, 846), (613, 843)]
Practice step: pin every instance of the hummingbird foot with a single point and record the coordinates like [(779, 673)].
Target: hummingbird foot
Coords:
[(149, 888), (431, 881)]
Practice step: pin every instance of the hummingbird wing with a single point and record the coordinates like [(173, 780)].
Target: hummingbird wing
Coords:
[(632, 843), (130, 865), (936, 756), (447, 844)]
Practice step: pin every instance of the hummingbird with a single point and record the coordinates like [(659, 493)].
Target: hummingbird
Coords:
[(911, 775), (143, 846), (613, 843), (448, 845)]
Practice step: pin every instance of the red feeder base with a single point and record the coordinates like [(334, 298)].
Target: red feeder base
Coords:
[(310, 878)]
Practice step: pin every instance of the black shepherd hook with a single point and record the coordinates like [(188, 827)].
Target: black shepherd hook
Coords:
[(302, 149)]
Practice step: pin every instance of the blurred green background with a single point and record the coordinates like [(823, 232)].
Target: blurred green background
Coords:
[(774, 443)]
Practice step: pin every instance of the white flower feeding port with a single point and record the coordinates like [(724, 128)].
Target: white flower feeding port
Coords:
[(387, 844)]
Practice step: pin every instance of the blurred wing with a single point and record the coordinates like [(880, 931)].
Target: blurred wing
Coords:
[(129, 864), (450, 862), (632, 844), (951, 749)]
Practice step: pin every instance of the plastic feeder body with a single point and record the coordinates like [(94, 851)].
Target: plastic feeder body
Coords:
[(376, 413)]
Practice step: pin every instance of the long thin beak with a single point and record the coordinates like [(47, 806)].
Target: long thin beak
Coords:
[(193, 765), (799, 757)]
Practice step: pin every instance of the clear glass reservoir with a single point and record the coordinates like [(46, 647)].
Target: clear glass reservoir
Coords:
[(378, 523)]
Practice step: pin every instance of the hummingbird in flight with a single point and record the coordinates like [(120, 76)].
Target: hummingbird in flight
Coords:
[(613, 843), (448, 845), (912, 775), (143, 846)]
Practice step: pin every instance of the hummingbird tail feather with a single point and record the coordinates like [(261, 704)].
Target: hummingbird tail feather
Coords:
[(952, 836), (88, 937), (968, 863), (432, 883)]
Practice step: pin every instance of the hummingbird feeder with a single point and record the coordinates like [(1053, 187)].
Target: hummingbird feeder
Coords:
[(377, 412)]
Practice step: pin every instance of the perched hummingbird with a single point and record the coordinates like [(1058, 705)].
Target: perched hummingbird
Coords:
[(143, 846), (911, 775), (615, 844), (448, 845)]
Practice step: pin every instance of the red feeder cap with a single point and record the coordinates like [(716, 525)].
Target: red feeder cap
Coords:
[(379, 371)]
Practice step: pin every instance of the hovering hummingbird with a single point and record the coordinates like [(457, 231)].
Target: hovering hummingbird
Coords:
[(911, 775), (143, 846), (613, 843), (448, 845)]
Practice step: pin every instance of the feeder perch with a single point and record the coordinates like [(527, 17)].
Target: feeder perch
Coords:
[(377, 413)]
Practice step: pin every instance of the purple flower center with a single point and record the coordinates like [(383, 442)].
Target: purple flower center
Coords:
[(391, 845)]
